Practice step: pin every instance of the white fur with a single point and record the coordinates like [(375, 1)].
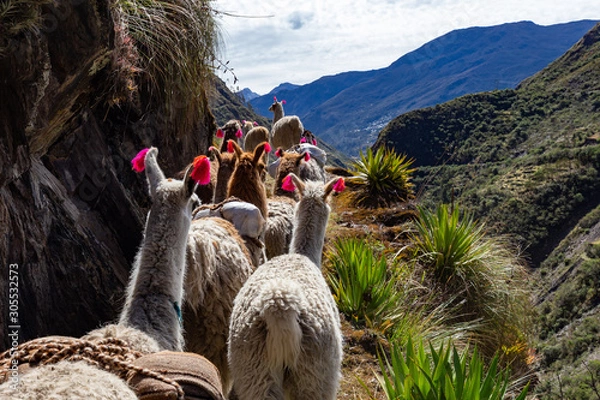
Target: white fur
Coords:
[(285, 339), (68, 380), (286, 131), (155, 289), (218, 265)]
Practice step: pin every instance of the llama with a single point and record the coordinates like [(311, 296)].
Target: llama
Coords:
[(285, 339), (155, 289), (308, 137), (225, 165), (246, 183), (150, 320), (255, 137), (219, 262), (279, 225), (286, 130), (247, 126), (232, 130), (314, 167)]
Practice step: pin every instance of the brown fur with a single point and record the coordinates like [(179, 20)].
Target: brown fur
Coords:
[(290, 162), (225, 165), (229, 130), (246, 182)]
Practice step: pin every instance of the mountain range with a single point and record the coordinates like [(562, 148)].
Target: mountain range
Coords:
[(349, 109)]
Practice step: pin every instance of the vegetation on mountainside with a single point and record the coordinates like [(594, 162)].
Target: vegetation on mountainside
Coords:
[(526, 162), (448, 282)]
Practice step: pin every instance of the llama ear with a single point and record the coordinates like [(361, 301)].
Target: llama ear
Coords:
[(153, 172), (188, 183), (299, 183), (335, 185), (213, 151), (258, 152), (236, 148)]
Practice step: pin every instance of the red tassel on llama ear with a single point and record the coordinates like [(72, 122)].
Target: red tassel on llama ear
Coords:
[(339, 186), (212, 148), (307, 157), (239, 133), (279, 152), (288, 184), (201, 171), (267, 147), (230, 147), (303, 140), (244, 121), (220, 133), (283, 101), (275, 98), (314, 141), (137, 163), (255, 123)]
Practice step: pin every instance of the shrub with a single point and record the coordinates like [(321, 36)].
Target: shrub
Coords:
[(441, 374), (381, 179)]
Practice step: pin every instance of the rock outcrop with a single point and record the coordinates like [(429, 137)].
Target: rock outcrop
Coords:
[(74, 110)]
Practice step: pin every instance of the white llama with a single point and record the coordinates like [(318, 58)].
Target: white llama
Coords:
[(285, 339), (286, 131)]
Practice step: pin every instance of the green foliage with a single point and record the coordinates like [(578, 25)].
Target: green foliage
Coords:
[(441, 374), (481, 276), (381, 179), (363, 285), (176, 42)]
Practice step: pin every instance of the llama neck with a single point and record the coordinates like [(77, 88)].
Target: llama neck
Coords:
[(310, 221), (155, 289), (277, 114)]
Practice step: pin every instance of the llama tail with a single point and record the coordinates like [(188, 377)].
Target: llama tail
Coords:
[(283, 303)]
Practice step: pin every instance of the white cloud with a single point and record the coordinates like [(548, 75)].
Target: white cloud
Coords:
[(299, 42)]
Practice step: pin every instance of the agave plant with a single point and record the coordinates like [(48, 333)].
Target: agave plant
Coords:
[(382, 178), (441, 374), (481, 274), (363, 285)]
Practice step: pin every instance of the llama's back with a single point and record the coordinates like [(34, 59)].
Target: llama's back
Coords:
[(279, 225), (286, 132), (285, 320), (218, 265)]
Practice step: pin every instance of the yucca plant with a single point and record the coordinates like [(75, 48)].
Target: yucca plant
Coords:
[(381, 179), (363, 285), (440, 374), (482, 275)]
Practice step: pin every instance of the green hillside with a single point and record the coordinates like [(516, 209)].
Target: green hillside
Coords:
[(527, 162)]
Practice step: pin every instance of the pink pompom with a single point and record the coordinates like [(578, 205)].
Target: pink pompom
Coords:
[(230, 146), (274, 98), (220, 133), (239, 133), (267, 147), (212, 148), (314, 142), (201, 171), (137, 163), (283, 101), (244, 121), (255, 123), (303, 140), (288, 184), (339, 186), (307, 157), (279, 152)]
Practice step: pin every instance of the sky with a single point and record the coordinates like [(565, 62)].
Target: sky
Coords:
[(266, 43)]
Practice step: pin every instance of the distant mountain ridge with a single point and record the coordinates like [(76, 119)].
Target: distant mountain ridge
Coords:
[(349, 109)]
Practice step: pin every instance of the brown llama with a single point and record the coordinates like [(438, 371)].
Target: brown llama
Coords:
[(246, 183)]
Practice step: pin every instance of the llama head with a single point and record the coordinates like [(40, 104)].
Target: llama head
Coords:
[(173, 191), (290, 162), (313, 189), (249, 161)]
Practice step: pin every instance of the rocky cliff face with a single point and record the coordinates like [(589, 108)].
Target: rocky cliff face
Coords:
[(71, 208)]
